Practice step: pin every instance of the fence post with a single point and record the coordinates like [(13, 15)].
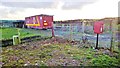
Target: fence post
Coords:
[(111, 30), (70, 31), (19, 35), (53, 35)]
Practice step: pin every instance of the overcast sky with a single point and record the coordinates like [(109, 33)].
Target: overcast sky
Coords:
[(61, 9)]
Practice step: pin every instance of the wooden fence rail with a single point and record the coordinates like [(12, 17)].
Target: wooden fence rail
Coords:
[(9, 42)]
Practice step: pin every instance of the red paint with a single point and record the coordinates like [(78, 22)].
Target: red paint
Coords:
[(39, 21), (98, 27)]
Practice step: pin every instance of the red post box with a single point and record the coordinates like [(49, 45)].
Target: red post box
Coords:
[(98, 27)]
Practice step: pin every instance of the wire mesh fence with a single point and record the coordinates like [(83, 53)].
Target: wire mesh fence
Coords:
[(75, 32)]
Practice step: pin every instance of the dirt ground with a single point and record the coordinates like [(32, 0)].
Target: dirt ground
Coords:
[(51, 52)]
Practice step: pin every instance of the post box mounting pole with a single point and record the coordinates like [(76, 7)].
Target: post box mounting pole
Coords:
[(97, 42)]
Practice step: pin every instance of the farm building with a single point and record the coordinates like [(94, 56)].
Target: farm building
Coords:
[(19, 24), (6, 23), (39, 21), (11, 23)]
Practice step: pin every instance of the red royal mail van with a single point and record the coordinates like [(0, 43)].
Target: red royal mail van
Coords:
[(39, 21)]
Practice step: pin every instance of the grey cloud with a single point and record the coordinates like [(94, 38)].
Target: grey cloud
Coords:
[(11, 8), (29, 4), (75, 5), (4, 12), (78, 1), (67, 4), (47, 0), (14, 7), (27, 0)]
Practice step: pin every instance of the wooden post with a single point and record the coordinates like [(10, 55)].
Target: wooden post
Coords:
[(83, 27), (53, 35), (111, 36), (19, 35), (97, 42), (70, 31), (111, 42)]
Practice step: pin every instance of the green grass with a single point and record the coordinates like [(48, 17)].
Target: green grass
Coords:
[(105, 60), (7, 33)]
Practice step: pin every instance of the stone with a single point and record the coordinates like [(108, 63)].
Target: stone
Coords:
[(107, 52)]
